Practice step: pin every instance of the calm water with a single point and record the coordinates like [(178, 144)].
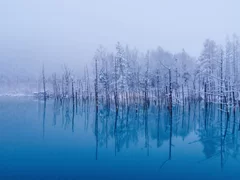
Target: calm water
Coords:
[(49, 141)]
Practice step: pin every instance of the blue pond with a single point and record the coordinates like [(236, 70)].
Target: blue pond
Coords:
[(56, 140)]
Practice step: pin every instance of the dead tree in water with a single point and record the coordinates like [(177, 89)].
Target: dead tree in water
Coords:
[(158, 89), (170, 90), (170, 95), (56, 87), (116, 99), (86, 86), (96, 84), (67, 78), (87, 81), (183, 98), (73, 106), (146, 99), (73, 95), (44, 84), (106, 85)]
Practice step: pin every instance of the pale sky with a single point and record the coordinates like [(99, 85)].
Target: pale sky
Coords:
[(69, 31)]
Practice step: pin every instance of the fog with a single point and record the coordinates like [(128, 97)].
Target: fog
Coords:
[(55, 32)]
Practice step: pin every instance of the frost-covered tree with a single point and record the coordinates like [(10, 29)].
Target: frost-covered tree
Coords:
[(99, 57), (235, 60), (207, 66), (104, 76), (121, 65), (67, 83)]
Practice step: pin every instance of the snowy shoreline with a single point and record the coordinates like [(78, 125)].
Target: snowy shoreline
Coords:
[(16, 95)]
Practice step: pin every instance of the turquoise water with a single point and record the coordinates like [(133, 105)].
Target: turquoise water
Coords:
[(49, 141)]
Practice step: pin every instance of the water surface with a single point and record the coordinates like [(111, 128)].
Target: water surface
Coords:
[(56, 140)]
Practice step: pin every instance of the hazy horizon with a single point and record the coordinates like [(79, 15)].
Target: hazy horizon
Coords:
[(61, 32)]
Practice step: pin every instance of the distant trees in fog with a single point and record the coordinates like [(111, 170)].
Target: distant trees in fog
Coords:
[(127, 76)]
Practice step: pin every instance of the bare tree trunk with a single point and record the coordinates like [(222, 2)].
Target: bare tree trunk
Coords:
[(158, 90), (44, 84), (96, 85), (183, 98), (116, 85)]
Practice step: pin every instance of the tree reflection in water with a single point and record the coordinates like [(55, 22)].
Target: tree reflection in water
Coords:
[(217, 132)]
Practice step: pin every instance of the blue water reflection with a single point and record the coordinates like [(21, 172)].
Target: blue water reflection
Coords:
[(60, 140)]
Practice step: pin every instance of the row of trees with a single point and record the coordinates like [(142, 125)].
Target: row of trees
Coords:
[(128, 77)]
